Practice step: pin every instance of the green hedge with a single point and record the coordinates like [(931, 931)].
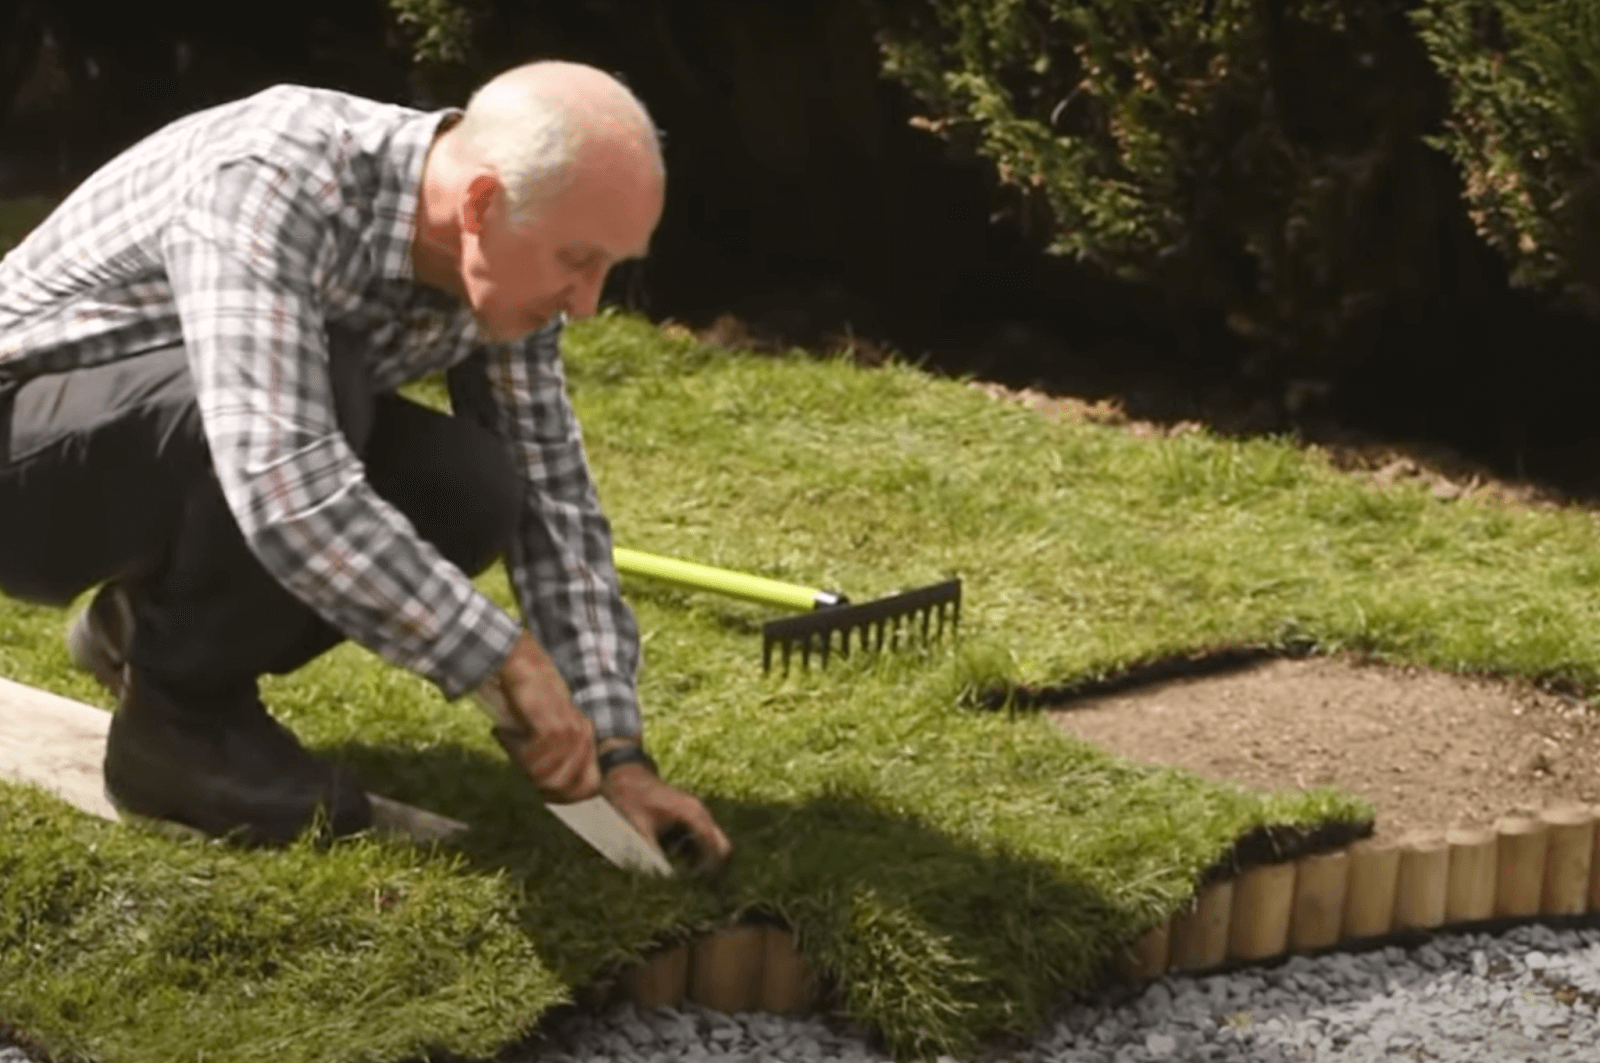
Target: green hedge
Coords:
[(1263, 162), (1289, 167), (1524, 127)]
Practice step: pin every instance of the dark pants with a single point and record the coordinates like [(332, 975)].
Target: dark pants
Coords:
[(105, 475)]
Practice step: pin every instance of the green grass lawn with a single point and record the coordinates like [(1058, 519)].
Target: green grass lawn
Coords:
[(952, 870)]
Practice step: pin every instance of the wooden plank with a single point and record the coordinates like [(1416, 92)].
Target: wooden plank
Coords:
[(56, 743), (59, 744)]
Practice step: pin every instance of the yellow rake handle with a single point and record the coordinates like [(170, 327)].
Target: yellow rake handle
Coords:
[(722, 581)]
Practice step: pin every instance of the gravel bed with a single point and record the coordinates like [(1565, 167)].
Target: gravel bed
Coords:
[(1529, 994)]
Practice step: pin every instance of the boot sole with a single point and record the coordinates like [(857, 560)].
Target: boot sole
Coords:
[(168, 828), (251, 834), (177, 830)]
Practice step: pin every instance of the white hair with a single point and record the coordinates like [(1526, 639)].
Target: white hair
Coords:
[(530, 123)]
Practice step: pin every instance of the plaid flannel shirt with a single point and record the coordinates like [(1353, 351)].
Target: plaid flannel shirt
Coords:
[(252, 233)]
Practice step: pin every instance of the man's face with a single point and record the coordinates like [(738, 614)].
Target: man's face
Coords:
[(518, 279)]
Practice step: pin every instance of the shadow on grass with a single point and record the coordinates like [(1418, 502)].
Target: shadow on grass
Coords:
[(911, 927), (938, 939), (1198, 663)]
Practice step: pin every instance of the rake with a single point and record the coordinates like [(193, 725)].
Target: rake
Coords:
[(826, 614)]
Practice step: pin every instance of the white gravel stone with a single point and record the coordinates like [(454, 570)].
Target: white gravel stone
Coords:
[(1160, 1045)]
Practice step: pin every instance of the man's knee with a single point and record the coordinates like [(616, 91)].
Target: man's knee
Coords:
[(93, 469)]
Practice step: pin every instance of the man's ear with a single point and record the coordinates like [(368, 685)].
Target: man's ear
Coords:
[(483, 191)]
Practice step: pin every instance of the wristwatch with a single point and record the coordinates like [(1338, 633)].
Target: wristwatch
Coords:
[(629, 754)]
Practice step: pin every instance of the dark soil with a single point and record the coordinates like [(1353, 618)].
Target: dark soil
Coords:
[(1427, 750)]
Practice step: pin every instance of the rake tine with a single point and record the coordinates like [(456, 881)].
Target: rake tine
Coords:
[(898, 621)]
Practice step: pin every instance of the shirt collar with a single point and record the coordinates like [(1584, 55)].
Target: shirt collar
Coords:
[(395, 215)]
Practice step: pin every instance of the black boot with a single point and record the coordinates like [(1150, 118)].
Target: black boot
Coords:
[(225, 769)]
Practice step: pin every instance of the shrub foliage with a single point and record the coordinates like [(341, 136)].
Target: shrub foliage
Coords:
[(1262, 161), (1289, 166), (1524, 127)]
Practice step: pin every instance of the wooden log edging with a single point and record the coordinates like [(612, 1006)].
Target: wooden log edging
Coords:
[(745, 967), (1543, 867)]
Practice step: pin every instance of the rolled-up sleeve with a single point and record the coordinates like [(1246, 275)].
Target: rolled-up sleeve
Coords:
[(560, 559), (248, 256)]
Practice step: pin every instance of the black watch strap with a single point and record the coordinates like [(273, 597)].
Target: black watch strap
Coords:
[(628, 754)]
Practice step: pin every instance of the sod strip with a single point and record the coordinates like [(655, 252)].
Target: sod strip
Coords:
[(939, 922), (60, 744), (1083, 550)]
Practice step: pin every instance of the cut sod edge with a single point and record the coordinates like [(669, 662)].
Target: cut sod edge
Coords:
[(1370, 893), (1325, 898)]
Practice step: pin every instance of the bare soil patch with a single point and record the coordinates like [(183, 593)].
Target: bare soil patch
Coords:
[(1429, 750)]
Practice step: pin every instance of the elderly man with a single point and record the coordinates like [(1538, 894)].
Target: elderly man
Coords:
[(199, 351)]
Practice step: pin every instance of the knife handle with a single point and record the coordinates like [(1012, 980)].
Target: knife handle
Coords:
[(512, 733)]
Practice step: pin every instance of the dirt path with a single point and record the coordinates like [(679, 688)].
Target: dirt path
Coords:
[(1428, 750)]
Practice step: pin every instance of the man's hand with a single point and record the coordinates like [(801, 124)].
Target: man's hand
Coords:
[(653, 806), (549, 738)]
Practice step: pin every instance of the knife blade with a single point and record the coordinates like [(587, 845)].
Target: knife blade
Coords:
[(595, 819)]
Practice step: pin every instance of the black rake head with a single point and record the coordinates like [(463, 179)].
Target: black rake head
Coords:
[(916, 615)]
